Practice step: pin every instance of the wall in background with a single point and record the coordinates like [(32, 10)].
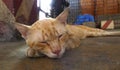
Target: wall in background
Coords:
[(99, 7)]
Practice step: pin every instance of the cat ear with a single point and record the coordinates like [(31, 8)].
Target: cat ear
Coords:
[(63, 16), (23, 29)]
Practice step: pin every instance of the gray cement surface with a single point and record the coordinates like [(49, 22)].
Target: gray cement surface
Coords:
[(101, 53)]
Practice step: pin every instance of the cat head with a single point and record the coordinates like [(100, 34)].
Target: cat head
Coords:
[(49, 36)]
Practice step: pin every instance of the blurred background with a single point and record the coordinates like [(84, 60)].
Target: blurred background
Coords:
[(104, 14)]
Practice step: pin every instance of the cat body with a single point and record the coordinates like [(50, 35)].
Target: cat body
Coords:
[(53, 36)]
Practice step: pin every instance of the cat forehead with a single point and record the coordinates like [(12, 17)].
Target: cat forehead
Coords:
[(47, 28), (47, 25)]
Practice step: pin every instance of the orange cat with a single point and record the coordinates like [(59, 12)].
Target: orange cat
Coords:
[(52, 36)]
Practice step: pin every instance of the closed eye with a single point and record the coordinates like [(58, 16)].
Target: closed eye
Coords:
[(60, 36), (44, 42)]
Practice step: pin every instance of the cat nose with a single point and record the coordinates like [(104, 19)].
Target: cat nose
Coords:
[(56, 52)]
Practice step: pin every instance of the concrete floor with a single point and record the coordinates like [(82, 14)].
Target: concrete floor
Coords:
[(102, 53)]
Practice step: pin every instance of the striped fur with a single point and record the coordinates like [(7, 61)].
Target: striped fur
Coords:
[(52, 36)]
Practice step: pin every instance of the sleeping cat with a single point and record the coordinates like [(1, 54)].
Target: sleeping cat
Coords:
[(52, 36)]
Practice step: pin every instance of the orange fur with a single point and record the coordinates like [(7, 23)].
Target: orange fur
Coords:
[(52, 36)]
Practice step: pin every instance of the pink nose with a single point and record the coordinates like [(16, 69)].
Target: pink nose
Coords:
[(56, 52)]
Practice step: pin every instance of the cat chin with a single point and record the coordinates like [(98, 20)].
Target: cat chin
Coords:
[(54, 56)]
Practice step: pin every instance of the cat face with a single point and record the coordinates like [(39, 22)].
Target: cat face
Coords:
[(47, 36)]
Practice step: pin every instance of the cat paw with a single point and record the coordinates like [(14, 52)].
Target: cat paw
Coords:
[(33, 53)]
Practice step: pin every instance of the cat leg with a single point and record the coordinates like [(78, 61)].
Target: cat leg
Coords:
[(33, 53)]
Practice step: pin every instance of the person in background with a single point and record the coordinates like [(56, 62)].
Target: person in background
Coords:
[(57, 6)]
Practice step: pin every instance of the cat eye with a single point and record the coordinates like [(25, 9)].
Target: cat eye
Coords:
[(60, 36), (44, 42)]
